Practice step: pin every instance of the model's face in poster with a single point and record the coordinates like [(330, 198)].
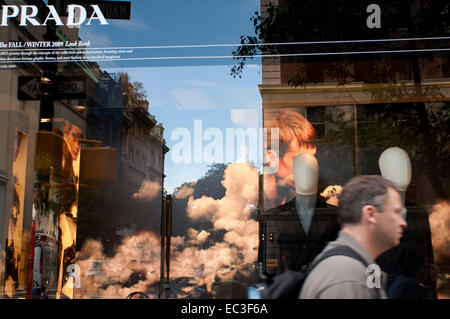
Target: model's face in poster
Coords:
[(295, 137), (278, 187), (286, 160), (73, 136)]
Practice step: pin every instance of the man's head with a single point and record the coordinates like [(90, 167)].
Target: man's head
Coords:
[(73, 136), (373, 204), (295, 137)]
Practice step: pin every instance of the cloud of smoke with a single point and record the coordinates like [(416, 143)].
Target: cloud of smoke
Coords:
[(231, 213), (148, 191), (185, 191), (103, 277), (440, 232), (196, 255), (197, 237)]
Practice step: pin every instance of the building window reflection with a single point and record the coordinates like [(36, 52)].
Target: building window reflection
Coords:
[(90, 186)]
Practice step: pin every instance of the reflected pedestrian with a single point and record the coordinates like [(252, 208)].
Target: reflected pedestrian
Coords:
[(371, 217)]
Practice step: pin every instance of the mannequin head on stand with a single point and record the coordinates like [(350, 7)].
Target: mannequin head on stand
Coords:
[(305, 171), (395, 166)]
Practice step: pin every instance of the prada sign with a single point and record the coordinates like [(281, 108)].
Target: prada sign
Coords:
[(76, 11)]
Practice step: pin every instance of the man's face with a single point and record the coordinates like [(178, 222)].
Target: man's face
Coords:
[(280, 161), (286, 161), (73, 137), (391, 221)]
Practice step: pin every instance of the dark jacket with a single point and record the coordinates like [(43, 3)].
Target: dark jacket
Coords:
[(285, 240)]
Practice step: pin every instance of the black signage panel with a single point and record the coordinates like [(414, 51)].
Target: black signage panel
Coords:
[(120, 10), (32, 89), (73, 87)]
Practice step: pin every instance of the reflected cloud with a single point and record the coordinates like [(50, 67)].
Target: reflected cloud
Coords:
[(98, 39), (231, 213), (149, 190), (197, 237), (198, 83), (192, 99), (133, 25), (185, 191), (245, 117), (201, 256), (440, 230), (134, 267)]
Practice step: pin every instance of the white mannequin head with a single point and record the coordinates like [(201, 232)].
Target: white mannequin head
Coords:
[(306, 174), (395, 166)]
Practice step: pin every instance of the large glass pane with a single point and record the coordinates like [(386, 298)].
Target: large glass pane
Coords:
[(181, 149)]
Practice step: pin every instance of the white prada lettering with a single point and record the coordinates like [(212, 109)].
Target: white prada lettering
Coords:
[(77, 15)]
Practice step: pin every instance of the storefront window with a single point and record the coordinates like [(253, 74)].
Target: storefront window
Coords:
[(156, 149)]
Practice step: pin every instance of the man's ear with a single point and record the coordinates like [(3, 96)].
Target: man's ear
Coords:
[(369, 214)]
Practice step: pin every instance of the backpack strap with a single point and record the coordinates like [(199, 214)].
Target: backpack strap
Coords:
[(339, 251)]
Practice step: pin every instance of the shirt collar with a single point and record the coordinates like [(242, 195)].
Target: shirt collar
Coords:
[(346, 239)]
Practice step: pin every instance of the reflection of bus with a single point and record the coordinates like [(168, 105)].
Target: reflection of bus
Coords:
[(45, 266)]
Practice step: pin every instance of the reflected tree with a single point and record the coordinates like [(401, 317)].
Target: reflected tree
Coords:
[(419, 126), (133, 90)]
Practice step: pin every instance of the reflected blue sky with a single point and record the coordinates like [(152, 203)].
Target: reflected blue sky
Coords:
[(180, 95), (178, 91), (178, 22)]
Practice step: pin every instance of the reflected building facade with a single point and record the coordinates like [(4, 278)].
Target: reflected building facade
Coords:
[(63, 126), (359, 106), (82, 157)]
